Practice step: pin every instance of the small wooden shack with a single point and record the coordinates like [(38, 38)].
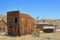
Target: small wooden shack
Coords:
[(36, 27), (19, 23), (3, 27), (47, 27)]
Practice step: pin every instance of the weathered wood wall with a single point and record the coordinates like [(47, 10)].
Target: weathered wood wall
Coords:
[(23, 26), (3, 26), (26, 23), (13, 28)]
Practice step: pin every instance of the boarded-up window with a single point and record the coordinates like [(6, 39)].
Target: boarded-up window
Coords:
[(10, 26)]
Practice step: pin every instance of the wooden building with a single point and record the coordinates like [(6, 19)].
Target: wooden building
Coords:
[(49, 29), (36, 27), (44, 26), (19, 23), (26, 22), (3, 27)]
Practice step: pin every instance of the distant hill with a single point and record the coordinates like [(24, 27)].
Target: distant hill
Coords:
[(52, 21), (4, 17)]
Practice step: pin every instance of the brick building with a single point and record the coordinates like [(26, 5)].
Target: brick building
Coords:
[(19, 23)]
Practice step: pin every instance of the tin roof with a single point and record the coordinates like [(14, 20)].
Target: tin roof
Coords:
[(44, 23), (38, 22)]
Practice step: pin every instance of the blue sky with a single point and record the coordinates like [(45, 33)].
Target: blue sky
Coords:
[(35, 8)]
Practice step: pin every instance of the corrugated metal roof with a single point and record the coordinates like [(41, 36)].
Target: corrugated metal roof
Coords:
[(44, 23), (38, 22)]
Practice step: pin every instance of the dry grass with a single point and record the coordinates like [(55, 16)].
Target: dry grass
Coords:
[(43, 36)]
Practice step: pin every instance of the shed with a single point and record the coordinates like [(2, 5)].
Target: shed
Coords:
[(49, 29), (3, 27)]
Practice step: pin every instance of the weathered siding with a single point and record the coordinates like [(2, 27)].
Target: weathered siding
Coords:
[(3, 26), (23, 26), (13, 28), (26, 23)]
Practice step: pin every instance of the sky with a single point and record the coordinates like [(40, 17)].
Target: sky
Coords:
[(35, 8)]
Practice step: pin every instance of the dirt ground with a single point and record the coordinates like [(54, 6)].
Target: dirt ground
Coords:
[(42, 36)]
